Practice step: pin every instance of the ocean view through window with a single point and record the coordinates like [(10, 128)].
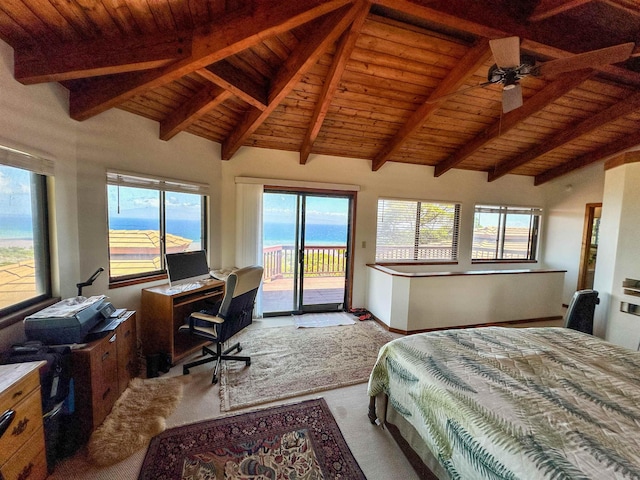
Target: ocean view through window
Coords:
[(24, 251), (145, 222), (305, 249)]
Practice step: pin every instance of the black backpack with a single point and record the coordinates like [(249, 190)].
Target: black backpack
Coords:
[(55, 376)]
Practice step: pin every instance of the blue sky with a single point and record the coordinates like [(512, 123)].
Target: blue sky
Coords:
[(15, 191), (280, 208), (143, 203)]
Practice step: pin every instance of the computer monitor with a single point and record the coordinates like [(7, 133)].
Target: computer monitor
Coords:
[(187, 267)]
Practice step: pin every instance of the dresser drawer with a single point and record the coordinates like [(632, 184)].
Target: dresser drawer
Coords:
[(104, 381), (127, 355), (29, 462), (18, 392), (27, 419)]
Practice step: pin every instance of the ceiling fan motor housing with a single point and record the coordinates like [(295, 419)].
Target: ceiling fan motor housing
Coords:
[(510, 76)]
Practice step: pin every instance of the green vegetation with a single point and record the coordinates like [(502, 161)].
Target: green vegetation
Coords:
[(11, 255)]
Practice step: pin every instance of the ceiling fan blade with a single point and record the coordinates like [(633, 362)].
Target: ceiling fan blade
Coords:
[(506, 51), (594, 58), (511, 98)]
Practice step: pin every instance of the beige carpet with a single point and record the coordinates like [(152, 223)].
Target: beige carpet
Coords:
[(289, 361), (139, 414)]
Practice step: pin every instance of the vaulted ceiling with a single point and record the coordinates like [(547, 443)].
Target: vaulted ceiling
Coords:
[(383, 80)]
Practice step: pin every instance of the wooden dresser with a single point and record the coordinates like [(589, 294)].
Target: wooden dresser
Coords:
[(101, 372), (22, 448)]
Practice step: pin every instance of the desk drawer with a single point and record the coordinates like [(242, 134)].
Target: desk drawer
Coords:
[(29, 462), (27, 419)]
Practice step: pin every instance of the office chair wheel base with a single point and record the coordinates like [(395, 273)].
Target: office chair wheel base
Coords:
[(239, 348), (214, 380), (247, 363), (185, 371)]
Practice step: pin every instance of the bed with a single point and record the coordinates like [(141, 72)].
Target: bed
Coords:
[(512, 403)]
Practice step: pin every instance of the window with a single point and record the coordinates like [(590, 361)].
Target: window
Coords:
[(505, 233), (410, 230), (25, 277), (149, 217)]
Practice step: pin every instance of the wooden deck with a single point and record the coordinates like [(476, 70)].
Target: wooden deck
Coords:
[(277, 295)]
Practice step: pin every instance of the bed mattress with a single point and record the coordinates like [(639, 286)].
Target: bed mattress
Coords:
[(517, 403)]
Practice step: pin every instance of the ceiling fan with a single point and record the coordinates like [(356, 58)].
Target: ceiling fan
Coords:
[(511, 66)]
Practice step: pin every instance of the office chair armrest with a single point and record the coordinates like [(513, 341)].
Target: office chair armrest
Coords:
[(207, 318)]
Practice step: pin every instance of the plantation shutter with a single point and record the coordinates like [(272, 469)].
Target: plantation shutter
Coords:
[(410, 230)]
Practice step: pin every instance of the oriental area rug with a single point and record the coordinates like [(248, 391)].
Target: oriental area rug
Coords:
[(288, 361), (287, 442)]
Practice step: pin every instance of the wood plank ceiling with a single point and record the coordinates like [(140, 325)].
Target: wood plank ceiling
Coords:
[(347, 78)]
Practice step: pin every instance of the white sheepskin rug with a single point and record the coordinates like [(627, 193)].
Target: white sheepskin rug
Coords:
[(138, 415)]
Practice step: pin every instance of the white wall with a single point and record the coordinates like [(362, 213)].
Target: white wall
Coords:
[(566, 200), (35, 119), (618, 257), (411, 301)]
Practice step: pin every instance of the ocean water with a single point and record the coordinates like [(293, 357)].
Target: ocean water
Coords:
[(19, 227), (315, 234), (15, 227), (183, 228)]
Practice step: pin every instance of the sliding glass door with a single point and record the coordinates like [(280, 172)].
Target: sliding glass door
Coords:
[(306, 241)]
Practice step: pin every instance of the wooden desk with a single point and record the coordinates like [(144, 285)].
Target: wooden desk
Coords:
[(22, 450), (164, 309)]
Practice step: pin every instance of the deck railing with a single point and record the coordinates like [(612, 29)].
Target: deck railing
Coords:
[(331, 261), (404, 252), (319, 261)]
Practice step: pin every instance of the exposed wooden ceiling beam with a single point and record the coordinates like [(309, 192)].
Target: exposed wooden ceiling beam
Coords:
[(619, 146), (345, 46), (565, 83), (190, 111), (507, 28), (549, 8), (68, 61), (229, 35), (225, 75), (618, 110), (326, 31), (465, 68), (439, 17)]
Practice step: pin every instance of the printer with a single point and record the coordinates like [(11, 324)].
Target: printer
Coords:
[(72, 320)]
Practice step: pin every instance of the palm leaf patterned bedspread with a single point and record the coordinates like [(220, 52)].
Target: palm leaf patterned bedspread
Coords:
[(517, 403)]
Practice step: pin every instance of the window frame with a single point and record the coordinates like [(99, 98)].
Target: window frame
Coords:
[(533, 237), (39, 170), (162, 186), (455, 241)]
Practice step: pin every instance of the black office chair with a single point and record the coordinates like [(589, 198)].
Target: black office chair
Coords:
[(226, 318), (581, 309)]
